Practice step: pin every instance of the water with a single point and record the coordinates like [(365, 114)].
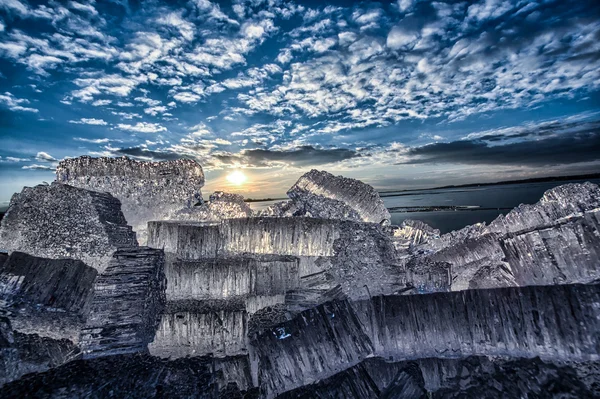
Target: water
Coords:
[(450, 209)]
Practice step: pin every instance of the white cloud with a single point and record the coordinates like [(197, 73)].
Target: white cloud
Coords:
[(38, 167), (45, 157), (93, 141), (186, 97), (142, 127), (100, 103), (13, 159), (148, 101), (90, 121), (15, 104), (399, 38), (155, 110)]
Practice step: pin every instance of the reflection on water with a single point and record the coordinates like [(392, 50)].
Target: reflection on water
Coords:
[(450, 209)]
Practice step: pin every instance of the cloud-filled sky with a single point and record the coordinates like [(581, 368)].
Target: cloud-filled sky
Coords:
[(399, 94)]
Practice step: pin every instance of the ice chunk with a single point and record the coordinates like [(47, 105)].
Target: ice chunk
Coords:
[(563, 253), (147, 190), (128, 300), (219, 206), (413, 232), (196, 328), (568, 200), (223, 278), (47, 297), (60, 221), (261, 235), (555, 323), (357, 195), (318, 206), (29, 353)]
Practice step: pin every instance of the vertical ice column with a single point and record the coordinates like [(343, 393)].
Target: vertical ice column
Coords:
[(128, 300)]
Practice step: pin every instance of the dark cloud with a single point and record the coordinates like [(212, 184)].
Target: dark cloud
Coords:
[(301, 156), (563, 149)]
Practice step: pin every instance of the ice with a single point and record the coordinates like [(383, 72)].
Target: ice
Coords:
[(47, 297), (147, 190), (138, 376), (220, 206), (260, 235), (475, 377), (228, 277), (412, 233), (552, 322), (555, 241), (196, 328), (129, 297), (60, 221), (358, 196), (22, 354)]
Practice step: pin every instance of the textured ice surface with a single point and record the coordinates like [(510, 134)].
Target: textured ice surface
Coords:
[(29, 353), (472, 377), (128, 299), (261, 235), (147, 190), (47, 297), (195, 328), (134, 376), (413, 232), (555, 241), (61, 221), (357, 195), (220, 206), (552, 322), (228, 277)]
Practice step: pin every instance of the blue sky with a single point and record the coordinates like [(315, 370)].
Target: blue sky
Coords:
[(400, 94)]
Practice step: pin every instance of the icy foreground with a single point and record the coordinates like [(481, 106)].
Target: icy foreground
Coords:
[(316, 297)]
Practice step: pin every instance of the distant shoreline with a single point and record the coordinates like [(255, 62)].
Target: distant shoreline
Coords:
[(522, 181)]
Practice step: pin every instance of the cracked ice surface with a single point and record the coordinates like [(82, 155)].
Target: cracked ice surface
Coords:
[(147, 190)]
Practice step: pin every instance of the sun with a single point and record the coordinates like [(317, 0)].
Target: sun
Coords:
[(237, 177)]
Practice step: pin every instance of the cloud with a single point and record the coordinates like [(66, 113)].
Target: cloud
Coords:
[(45, 157), (14, 104), (144, 153), (301, 156), (93, 141), (39, 167), (142, 127), (89, 121), (581, 145)]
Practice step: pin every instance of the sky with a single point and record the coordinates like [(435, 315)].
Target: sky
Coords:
[(401, 95)]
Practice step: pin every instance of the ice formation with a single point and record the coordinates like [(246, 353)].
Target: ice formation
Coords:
[(314, 297), (359, 198), (60, 221), (147, 190)]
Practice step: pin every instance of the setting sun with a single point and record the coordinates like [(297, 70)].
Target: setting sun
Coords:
[(237, 177)]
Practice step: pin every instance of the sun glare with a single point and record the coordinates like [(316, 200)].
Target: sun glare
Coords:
[(237, 177)]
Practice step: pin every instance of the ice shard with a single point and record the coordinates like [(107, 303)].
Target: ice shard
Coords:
[(358, 196), (61, 221), (47, 297), (220, 206), (129, 297), (147, 190), (556, 323)]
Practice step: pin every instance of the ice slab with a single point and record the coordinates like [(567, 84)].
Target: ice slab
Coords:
[(129, 297), (60, 221), (147, 190), (552, 322), (358, 196)]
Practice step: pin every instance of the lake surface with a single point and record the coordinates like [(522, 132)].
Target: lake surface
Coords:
[(450, 209)]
